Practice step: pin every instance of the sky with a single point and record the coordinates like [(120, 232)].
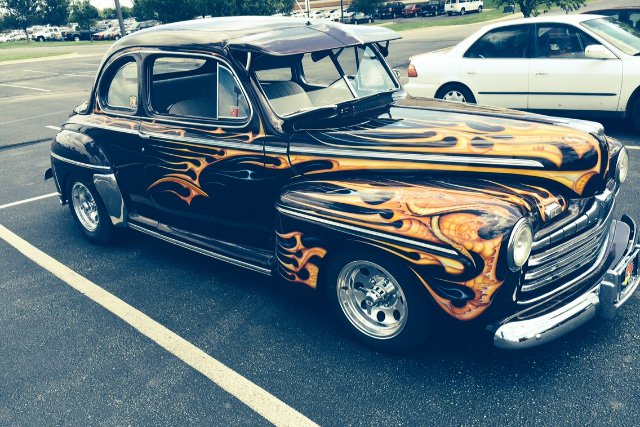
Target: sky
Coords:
[(101, 4)]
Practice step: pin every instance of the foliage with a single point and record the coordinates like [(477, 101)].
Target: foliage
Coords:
[(19, 14), (53, 12), (368, 6), (171, 11), (530, 7), (84, 14)]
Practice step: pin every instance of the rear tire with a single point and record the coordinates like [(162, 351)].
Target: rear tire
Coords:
[(635, 114), (456, 93), (76, 38), (399, 322), (449, 13), (480, 9), (462, 11), (89, 212)]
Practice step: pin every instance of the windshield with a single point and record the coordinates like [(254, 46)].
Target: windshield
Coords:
[(298, 83), (619, 34)]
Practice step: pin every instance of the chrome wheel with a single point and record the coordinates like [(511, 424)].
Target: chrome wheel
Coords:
[(455, 96), (85, 206), (372, 300)]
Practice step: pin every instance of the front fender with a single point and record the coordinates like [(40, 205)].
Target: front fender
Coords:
[(451, 234)]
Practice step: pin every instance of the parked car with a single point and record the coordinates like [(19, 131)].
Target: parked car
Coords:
[(433, 8), (17, 35), (584, 64), (390, 10), (5, 38), (359, 18), (112, 33), (42, 34), (412, 10), (77, 34), (229, 137), (460, 7), (629, 15)]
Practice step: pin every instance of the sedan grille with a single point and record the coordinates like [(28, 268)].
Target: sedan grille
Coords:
[(562, 259)]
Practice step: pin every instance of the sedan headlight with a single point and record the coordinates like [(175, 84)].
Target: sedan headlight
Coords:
[(519, 246), (622, 167)]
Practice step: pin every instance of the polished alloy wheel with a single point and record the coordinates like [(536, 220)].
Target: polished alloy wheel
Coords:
[(372, 300), (454, 95), (85, 206)]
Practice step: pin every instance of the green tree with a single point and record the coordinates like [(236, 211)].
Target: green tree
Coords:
[(20, 14), (53, 12), (171, 11), (143, 10), (108, 13), (368, 6), (530, 7), (84, 14)]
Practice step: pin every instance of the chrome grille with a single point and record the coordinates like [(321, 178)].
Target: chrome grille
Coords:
[(558, 261)]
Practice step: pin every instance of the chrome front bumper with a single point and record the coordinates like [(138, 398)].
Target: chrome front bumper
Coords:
[(603, 299)]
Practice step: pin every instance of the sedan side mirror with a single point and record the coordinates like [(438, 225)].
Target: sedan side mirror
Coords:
[(597, 51)]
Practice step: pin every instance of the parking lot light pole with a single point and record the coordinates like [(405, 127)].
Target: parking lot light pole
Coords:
[(341, 10), (120, 20)]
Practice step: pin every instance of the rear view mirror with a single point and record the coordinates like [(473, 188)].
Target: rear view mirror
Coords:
[(597, 51)]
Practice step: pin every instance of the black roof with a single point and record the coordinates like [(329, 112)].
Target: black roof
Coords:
[(266, 34)]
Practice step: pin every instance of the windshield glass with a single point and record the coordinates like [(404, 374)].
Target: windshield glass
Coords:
[(619, 34), (298, 83)]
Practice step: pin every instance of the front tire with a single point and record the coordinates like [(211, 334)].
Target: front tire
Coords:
[(76, 38), (89, 212), (456, 93), (462, 11), (480, 9), (379, 301)]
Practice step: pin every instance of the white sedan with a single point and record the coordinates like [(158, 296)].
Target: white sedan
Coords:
[(585, 64)]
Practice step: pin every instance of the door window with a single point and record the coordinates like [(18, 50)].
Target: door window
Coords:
[(196, 87), (506, 42), (561, 41), (123, 88)]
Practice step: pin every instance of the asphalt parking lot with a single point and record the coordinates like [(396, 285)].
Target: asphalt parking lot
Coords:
[(65, 359)]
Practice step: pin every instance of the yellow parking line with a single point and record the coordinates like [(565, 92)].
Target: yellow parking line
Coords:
[(256, 398), (33, 199)]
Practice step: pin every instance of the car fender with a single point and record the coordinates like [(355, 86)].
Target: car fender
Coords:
[(451, 234)]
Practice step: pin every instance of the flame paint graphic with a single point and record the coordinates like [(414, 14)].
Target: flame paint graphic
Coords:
[(294, 258)]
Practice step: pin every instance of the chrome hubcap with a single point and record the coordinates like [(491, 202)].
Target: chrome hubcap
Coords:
[(372, 299), (455, 96), (85, 206)]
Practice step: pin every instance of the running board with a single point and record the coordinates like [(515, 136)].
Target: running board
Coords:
[(256, 260)]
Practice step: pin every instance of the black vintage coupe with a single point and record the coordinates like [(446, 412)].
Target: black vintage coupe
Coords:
[(287, 147)]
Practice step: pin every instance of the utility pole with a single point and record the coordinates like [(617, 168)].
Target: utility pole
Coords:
[(120, 20), (308, 6), (341, 11)]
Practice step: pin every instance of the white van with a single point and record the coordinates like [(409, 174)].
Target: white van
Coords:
[(463, 6)]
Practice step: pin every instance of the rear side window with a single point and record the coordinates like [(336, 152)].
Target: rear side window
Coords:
[(196, 87), (507, 42), (123, 88)]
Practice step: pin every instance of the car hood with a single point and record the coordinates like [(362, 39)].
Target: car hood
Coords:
[(426, 136)]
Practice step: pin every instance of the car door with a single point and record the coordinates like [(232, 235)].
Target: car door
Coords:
[(205, 157), (113, 125), (563, 78), (496, 67)]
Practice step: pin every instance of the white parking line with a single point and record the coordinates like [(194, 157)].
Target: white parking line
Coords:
[(258, 399), (40, 72), (632, 147), (25, 87), (53, 127), (78, 75), (33, 199)]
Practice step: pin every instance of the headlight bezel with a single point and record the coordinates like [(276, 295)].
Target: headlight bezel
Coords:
[(622, 165), (517, 261)]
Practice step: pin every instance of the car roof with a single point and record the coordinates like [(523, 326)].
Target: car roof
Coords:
[(265, 34), (561, 19)]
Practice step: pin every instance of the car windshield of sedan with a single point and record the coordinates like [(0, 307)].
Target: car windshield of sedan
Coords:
[(298, 83), (619, 34)]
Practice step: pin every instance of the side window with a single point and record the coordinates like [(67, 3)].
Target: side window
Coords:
[(507, 42), (195, 87), (123, 88), (562, 41)]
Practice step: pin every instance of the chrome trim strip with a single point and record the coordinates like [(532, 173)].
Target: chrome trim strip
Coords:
[(334, 224), (429, 158), (107, 127), (211, 142), (109, 191), (556, 291), (76, 163), (201, 250)]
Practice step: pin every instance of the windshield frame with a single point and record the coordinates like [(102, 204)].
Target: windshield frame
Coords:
[(343, 77), (619, 45)]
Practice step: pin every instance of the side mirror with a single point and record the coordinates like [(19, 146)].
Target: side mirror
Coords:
[(597, 51)]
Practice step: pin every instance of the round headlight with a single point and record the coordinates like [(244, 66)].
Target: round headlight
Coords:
[(622, 167), (519, 246)]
